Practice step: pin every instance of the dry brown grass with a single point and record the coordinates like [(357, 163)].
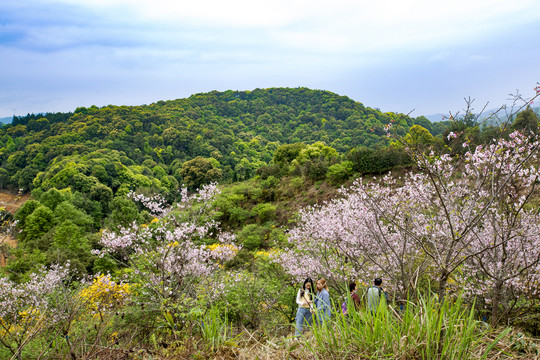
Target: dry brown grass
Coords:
[(11, 202)]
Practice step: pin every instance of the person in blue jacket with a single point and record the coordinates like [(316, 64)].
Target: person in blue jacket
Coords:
[(322, 302)]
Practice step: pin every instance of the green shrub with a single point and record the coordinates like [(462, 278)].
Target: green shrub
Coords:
[(338, 173), (264, 212), (252, 236)]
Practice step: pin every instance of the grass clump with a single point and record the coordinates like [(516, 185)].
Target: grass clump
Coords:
[(421, 330)]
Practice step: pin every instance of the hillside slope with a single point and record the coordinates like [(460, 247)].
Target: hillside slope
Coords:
[(239, 130)]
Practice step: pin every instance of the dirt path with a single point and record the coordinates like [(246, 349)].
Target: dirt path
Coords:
[(11, 203)]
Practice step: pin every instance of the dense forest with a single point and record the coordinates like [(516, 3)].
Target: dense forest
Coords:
[(276, 150), (80, 166), (238, 131), (272, 153)]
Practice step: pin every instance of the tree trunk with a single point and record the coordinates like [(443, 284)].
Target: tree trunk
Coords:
[(495, 313), (443, 279)]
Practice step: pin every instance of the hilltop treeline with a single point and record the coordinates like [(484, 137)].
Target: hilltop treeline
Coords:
[(276, 150), (237, 132)]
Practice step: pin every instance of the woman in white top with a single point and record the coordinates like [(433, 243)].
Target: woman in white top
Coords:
[(304, 299)]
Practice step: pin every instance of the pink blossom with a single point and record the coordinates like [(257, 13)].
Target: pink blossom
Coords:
[(15, 299), (432, 222), (168, 259), (451, 135)]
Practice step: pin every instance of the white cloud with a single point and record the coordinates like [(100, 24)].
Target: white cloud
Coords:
[(331, 25), (342, 29), (126, 51)]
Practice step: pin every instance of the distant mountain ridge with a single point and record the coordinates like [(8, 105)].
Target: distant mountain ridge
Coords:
[(485, 115), (436, 117), (6, 120)]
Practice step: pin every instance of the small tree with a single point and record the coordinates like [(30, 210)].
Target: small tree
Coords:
[(526, 121), (168, 259), (25, 309)]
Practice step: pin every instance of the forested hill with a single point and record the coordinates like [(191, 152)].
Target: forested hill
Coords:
[(233, 132)]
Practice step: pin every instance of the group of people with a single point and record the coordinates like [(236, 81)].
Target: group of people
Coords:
[(315, 302)]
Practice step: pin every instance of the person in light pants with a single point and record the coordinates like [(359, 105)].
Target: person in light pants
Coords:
[(304, 299)]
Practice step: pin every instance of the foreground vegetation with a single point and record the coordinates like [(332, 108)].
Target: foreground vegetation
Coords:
[(99, 322)]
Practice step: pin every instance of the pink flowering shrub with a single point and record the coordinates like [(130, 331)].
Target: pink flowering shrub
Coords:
[(27, 309), (168, 260)]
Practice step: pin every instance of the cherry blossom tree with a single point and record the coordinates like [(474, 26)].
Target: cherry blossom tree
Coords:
[(168, 258), (505, 277), (347, 239), (458, 196), (488, 187), (508, 238), (437, 217)]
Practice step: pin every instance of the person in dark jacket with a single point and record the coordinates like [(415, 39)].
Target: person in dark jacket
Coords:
[(353, 289)]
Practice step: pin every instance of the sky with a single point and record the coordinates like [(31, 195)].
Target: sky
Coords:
[(417, 56)]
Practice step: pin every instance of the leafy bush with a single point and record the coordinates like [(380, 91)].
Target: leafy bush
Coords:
[(338, 173)]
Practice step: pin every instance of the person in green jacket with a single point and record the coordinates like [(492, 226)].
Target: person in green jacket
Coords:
[(375, 294)]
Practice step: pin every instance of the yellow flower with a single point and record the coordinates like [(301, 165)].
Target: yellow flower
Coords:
[(222, 248), (262, 253), (104, 294), (213, 247), (113, 338), (266, 254)]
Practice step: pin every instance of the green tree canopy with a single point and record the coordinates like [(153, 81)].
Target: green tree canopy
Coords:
[(526, 120), (198, 172), (38, 223), (316, 151)]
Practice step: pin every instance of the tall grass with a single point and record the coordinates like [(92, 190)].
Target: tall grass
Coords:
[(425, 330), (217, 331)]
